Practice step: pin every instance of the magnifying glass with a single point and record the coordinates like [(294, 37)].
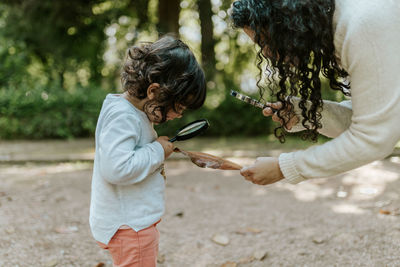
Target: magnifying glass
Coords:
[(190, 130), (250, 100)]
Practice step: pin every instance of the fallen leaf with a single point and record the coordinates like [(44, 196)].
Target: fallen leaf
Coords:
[(385, 212), (10, 230), (205, 160), (246, 260), (100, 264), (66, 230), (179, 214), (222, 240), (160, 258), (229, 264), (248, 230), (390, 212), (318, 240), (52, 263), (253, 230), (303, 253), (260, 255)]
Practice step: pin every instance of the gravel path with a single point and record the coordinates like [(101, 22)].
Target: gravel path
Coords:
[(213, 218)]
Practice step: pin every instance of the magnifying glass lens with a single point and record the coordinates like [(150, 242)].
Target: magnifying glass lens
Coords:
[(190, 130)]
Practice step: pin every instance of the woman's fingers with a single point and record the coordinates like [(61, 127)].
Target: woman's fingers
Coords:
[(265, 170), (293, 121), (275, 105), (275, 118), (269, 111)]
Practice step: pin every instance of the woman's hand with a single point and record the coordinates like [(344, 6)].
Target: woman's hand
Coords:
[(167, 145), (293, 119), (264, 171)]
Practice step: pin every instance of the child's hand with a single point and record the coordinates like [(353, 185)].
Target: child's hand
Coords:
[(167, 145)]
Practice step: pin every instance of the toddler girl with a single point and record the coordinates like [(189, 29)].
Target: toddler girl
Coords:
[(160, 80)]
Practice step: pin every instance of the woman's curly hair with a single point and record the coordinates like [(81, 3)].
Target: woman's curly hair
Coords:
[(170, 63), (296, 39)]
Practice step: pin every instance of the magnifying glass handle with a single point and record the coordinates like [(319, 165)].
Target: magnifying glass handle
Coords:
[(173, 139), (251, 101)]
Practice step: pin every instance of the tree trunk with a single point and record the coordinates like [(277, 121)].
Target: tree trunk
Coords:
[(168, 15), (140, 8), (207, 38), (61, 77)]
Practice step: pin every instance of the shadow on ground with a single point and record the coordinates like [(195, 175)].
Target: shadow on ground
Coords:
[(348, 220)]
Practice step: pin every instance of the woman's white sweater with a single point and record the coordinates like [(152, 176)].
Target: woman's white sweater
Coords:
[(367, 43)]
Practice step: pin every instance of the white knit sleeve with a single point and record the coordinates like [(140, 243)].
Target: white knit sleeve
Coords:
[(121, 160), (370, 51), (336, 117)]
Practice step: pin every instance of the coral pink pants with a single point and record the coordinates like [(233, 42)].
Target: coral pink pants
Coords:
[(129, 248)]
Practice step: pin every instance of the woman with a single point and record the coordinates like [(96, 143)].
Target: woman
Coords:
[(355, 45)]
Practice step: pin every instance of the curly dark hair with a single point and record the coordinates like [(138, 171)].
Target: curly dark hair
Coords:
[(170, 63), (296, 40)]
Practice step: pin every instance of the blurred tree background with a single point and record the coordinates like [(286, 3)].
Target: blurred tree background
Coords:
[(58, 60)]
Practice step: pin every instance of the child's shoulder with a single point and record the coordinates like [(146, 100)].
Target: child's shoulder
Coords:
[(116, 105)]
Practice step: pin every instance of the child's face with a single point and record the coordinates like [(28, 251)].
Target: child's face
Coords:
[(156, 116), (178, 113)]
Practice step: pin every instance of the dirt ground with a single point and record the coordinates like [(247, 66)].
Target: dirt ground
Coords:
[(212, 218)]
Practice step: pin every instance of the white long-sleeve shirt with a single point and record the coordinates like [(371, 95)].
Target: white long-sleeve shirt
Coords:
[(367, 43), (127, 187)]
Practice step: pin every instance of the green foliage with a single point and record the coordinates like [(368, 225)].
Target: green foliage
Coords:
[(63, 36), (230, 117), (52, 54), (52, 113)]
